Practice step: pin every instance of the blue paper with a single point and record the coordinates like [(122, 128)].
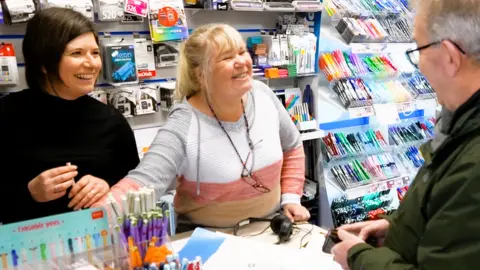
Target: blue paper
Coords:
[(202, 243)]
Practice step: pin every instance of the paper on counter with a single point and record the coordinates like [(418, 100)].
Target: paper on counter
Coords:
[(237, 253)]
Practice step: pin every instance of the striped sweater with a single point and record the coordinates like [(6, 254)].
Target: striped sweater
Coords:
[(192, 154)]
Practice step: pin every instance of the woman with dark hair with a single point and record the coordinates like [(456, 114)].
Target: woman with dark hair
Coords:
[(60, 149)]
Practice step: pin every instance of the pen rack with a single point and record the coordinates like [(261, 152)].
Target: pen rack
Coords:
[(368, 207), (358, 172), (411, 133), (419, 86), (340, 145), (108, 257), (339, 65), (352, 93), (410, 158)]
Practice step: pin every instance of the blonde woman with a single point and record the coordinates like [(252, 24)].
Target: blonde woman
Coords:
[(229, 142)]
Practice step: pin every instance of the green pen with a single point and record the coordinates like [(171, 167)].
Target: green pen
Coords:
[(362, 170), (345, 142), (372, 137)]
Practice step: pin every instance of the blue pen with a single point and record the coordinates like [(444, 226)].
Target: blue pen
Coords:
[(14, 257), (184, 264)]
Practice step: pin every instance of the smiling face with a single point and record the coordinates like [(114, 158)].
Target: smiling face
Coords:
[(231, 73), (79, 67)]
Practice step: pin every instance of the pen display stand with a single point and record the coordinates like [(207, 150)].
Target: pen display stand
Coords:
[(369, 207), (307, 126), (371, 22), (64, 241)]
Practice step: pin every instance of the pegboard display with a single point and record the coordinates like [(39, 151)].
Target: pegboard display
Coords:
[(14, 34)]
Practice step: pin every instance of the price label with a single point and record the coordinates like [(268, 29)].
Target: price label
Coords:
[(387, 113), (378, 187), (110, 13), (361, 112), (406, 107), (391, 184), (429, 106), (137, 7), (368, 48)]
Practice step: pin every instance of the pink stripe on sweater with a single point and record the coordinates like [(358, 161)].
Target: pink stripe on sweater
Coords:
[(293, 171), (231, 191)]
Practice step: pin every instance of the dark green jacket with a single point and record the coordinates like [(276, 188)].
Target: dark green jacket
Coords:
[(437, 226)]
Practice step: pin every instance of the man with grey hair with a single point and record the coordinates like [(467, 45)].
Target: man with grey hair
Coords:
[(437, 226)]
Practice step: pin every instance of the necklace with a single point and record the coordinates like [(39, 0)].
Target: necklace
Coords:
[(257, 184)]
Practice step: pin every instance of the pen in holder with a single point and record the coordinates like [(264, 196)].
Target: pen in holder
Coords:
[(142, 230), (301, 117)]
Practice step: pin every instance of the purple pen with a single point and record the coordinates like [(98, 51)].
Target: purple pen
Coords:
[(150, 228), (164, 230)]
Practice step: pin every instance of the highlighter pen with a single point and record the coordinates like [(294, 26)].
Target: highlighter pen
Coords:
[(4, 260), (14, 258)]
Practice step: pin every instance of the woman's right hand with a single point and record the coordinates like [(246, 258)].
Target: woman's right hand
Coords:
[(52, 184), (374, 228)]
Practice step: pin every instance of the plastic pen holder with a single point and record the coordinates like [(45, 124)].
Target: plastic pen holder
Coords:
[(307, 125), (110, 257), (154, 251)]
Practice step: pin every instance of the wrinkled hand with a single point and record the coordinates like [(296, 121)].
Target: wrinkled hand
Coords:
[(87, 191), (340, 250), (375, 228), (52, 184), (296, 212)]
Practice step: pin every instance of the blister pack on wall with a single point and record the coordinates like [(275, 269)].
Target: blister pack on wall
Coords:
[(120, 64)]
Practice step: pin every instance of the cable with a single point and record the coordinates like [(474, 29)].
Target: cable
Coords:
[(308, 233), (257, 234)]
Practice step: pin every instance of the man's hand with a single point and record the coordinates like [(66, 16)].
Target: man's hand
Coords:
[(52, 184), (296, 212), (87, 191), (375, 228), (340, 250)]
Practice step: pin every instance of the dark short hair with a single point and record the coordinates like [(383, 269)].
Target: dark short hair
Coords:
[(46, 38)]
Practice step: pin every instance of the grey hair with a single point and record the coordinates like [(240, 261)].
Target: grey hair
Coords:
[(456, 20)]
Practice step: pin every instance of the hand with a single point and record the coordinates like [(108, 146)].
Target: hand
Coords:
[(87, 191), (296, 212), (340, 250), (52, 184), (374, 228)]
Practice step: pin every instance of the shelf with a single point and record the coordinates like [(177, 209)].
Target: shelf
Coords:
[(312, 135), (329, 31), (374, 187), (153, 120), (429, 105), (301, 75)]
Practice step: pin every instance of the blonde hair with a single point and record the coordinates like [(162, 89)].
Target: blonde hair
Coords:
[(193, 70)]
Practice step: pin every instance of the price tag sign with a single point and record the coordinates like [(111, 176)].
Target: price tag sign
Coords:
[(361, 112), (109, 10), (387, 113), (368, 48), (429, 106), (137, 7), (406, 107)]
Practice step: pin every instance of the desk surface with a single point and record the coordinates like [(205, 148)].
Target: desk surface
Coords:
[(307, 236)]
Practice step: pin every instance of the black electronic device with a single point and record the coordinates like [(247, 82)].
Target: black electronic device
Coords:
[(332, 239), (280, 225)]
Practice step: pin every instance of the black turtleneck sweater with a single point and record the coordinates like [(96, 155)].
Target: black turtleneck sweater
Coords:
[(39, 132)]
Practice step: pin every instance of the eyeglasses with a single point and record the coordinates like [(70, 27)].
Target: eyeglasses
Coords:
[(248, 176), (414, 55)]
